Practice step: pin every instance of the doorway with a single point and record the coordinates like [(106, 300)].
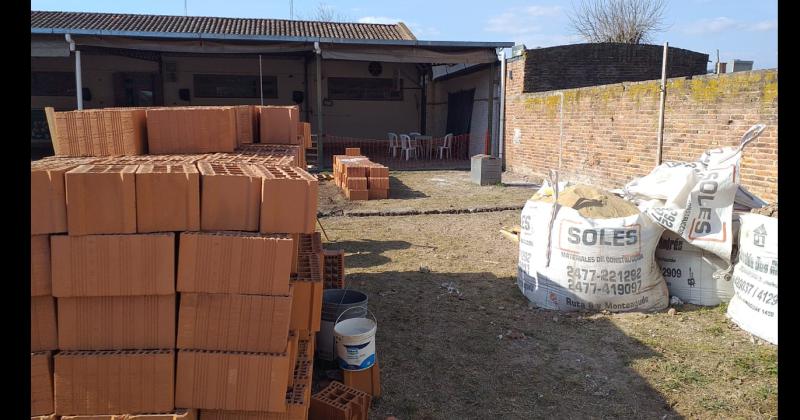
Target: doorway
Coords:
[(459, 111), (137, 89)]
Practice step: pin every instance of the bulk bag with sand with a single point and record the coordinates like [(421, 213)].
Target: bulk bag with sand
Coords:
[(754, 306), (590, 250)]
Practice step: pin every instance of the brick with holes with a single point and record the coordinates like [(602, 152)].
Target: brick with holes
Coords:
[(48, 193), (288, 200), (230, 197), (240, 381), (133, 381), (101, 199), (167, 198), (234, 262), (340, 402), (278, 124), (191, 129)]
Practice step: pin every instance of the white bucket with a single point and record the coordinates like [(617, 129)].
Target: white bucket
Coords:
[(355, 343)]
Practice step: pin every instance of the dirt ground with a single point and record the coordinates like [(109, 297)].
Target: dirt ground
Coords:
[(427, 190), (456, 338)]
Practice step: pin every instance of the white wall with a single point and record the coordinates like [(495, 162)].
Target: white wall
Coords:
[(479, 80)]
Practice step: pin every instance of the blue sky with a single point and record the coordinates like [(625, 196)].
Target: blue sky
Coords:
[(744, 30)]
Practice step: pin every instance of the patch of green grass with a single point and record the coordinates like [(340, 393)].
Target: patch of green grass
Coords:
[(757, 362), (765, 391), (715, 331), (715, 404), (679, 375)]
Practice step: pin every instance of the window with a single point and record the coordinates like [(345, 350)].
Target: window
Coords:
[(52, 83), (233, 86), (371, 89)]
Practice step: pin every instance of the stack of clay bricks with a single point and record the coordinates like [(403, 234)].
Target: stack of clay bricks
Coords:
[(166, 130), (360, 178), (107, 233)]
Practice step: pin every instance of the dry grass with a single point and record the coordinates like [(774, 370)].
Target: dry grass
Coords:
[(441, 357)]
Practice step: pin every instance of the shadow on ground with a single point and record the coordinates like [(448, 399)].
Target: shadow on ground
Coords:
[(449, 353), (399, 190), (366, 252)]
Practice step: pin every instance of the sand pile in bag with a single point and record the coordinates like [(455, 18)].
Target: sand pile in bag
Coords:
[(593, 203)]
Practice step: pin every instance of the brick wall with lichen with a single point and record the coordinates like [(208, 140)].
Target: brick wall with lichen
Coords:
[(580, 65), (610, 131)]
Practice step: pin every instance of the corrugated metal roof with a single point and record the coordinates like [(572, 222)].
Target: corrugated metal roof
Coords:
[(119, 22)]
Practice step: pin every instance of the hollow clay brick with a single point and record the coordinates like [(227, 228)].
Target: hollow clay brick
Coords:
[(240, 381), (48, 195), (41, 383), (41, 285), (288, 200), (278, 124), (167, 198), (234, 322), (367, 380), (191, 130), (101, 199), (100, 132), (119, 381), (44, 335), (352, 151), (234, 262), (375, 194), (113, 265), (116, 322), (230, 197), (244, 124)]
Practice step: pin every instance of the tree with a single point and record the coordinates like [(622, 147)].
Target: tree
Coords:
[(624, 21), (324, 13)]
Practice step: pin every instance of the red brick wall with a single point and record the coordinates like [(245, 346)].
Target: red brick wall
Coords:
[(610, 131)]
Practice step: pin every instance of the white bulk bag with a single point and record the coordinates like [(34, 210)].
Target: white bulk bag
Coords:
[(594, 264), (693, 275), (754, 306)]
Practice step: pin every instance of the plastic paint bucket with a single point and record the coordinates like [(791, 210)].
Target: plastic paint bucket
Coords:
[(355, 343)]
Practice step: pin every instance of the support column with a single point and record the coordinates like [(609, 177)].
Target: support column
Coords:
[(320, 128), (78, 83), (492, 145)]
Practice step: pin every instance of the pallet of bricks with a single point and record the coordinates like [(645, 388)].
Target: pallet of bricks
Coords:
[(187, 281), (360, 178)]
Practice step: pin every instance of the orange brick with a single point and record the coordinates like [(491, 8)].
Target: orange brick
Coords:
[(100, 132), (234, 322), (357, 183), (375, 194), (378, 183), (41, 383), (225, 262), (352, 151), (230, 197), (101, 199), (288, 200), (48, 194), (167, 198), (357, 194), (367, 380), (278, 124), (40, 266), (44, 335), (191, 130)]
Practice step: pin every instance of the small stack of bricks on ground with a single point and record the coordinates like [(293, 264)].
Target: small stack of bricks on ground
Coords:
[(360, 178), (223, 193)]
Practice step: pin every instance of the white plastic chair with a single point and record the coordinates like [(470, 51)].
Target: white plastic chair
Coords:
[(406, 146), (448, 146), (394, 144)]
